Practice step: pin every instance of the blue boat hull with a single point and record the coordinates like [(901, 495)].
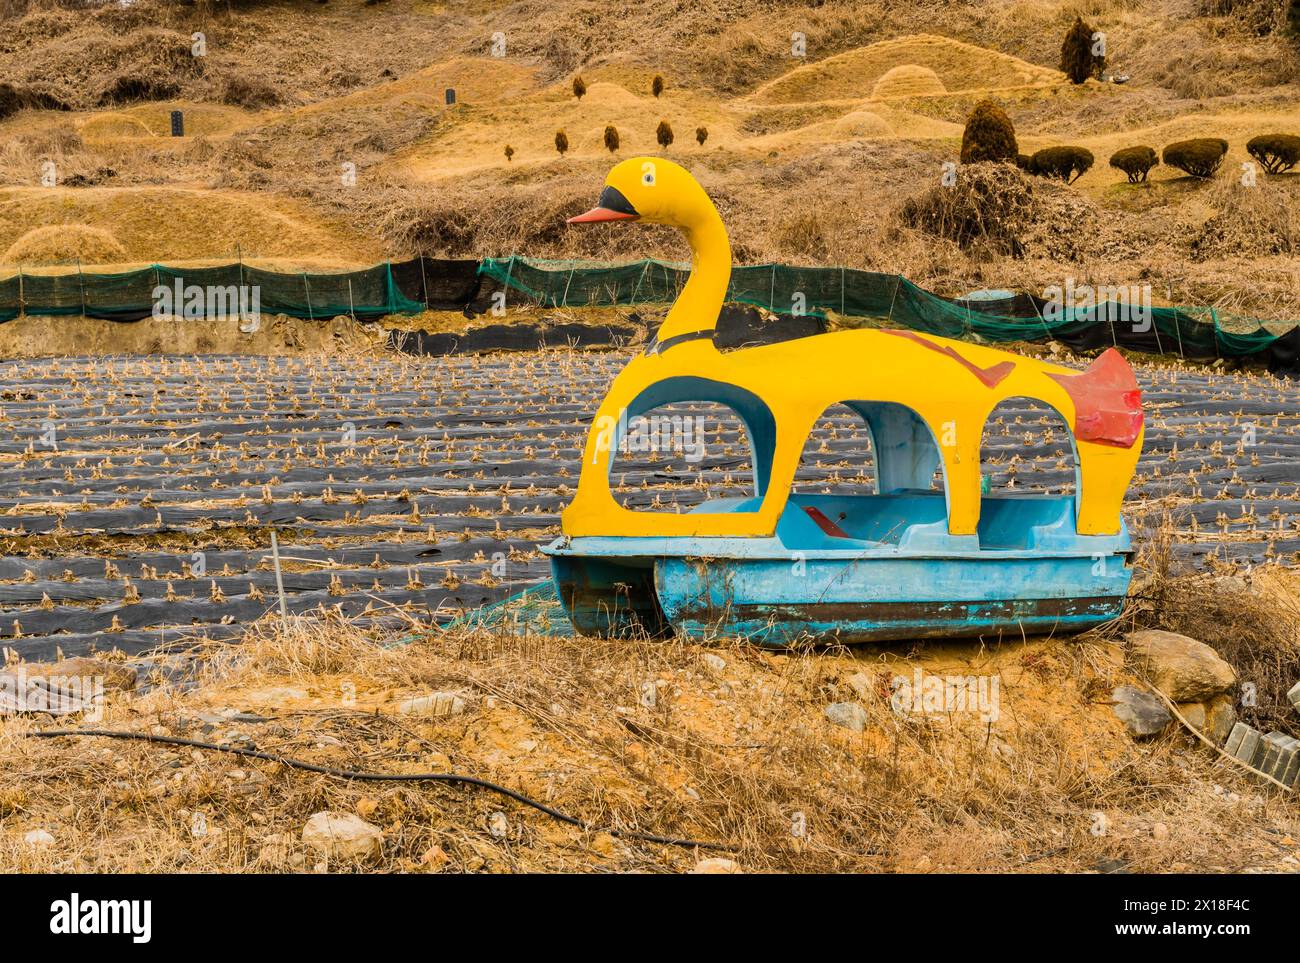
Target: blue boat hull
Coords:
[(882, 599), (885, 570)]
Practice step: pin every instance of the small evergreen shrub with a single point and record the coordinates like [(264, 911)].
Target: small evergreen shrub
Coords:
[(988, 136), (664, 134), (1077, 59), (657, 85), (510, 153), (701, 135), (1135, 162), (1066, 163), (1276, 153), (1200, 156), (611, 139), (561, 142), (579, 87)]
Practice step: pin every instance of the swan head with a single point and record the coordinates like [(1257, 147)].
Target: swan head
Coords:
[(650, 189)]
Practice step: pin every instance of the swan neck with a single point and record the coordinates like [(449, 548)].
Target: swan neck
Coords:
[(697, 307)]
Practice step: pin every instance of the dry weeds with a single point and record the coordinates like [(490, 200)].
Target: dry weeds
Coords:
[(738, 752)]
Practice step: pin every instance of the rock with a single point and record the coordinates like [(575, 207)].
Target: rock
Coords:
[(714, 663), (1182, 668), (1294, 696), (366, 807), (716, 865), (433, 705), (1214, 719), (1232, 585), (862, 685), (39, 838), (1220, 717), (850, 715), (1142, 713), (1194, 713), (1160, 832), (342, 836), (435, 857)]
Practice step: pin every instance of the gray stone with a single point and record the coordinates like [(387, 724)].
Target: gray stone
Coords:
[(1294, 696), (850, 715), (1142, 713)]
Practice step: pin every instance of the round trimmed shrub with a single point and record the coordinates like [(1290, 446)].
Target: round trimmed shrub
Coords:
[(1200, 156), (1135, 162), (1066, 163), (989, 135), (1276, 153)]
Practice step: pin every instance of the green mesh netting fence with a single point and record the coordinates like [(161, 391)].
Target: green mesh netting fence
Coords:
[(1191, 332), (414, 285), (195, 292)]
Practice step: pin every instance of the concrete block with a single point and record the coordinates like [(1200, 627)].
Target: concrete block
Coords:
[(1280, 757)]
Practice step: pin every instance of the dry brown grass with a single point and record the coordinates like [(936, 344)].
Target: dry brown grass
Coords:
[(733, 754)]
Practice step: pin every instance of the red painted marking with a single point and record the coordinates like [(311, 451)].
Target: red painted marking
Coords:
[(990, 377), (824, 523), (1107, 401)]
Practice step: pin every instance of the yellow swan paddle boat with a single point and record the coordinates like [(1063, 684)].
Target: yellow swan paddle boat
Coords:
[(906, 561)]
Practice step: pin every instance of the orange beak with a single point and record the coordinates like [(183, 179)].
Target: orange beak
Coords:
[(610, 206), (599, 214)]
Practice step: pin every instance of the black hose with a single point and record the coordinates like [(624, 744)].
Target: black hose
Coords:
[(448, 777)]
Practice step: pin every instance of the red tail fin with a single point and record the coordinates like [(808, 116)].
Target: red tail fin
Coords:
[(1107, 401)]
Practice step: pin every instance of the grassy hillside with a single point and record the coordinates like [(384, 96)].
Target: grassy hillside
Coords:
[(319, 133)]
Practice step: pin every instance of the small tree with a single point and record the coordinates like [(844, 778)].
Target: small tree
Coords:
[(510, 152), (1135, 162), (579, 87), (1277, 153), (988, 136), (561, 142), (1078, 62), (701, 135), (1065, 163), (664, 134), (1200, 156), (657, 85), (611, 139)]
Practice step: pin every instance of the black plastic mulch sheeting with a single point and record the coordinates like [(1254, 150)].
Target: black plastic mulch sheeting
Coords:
[(739, 326), (438, 283)]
